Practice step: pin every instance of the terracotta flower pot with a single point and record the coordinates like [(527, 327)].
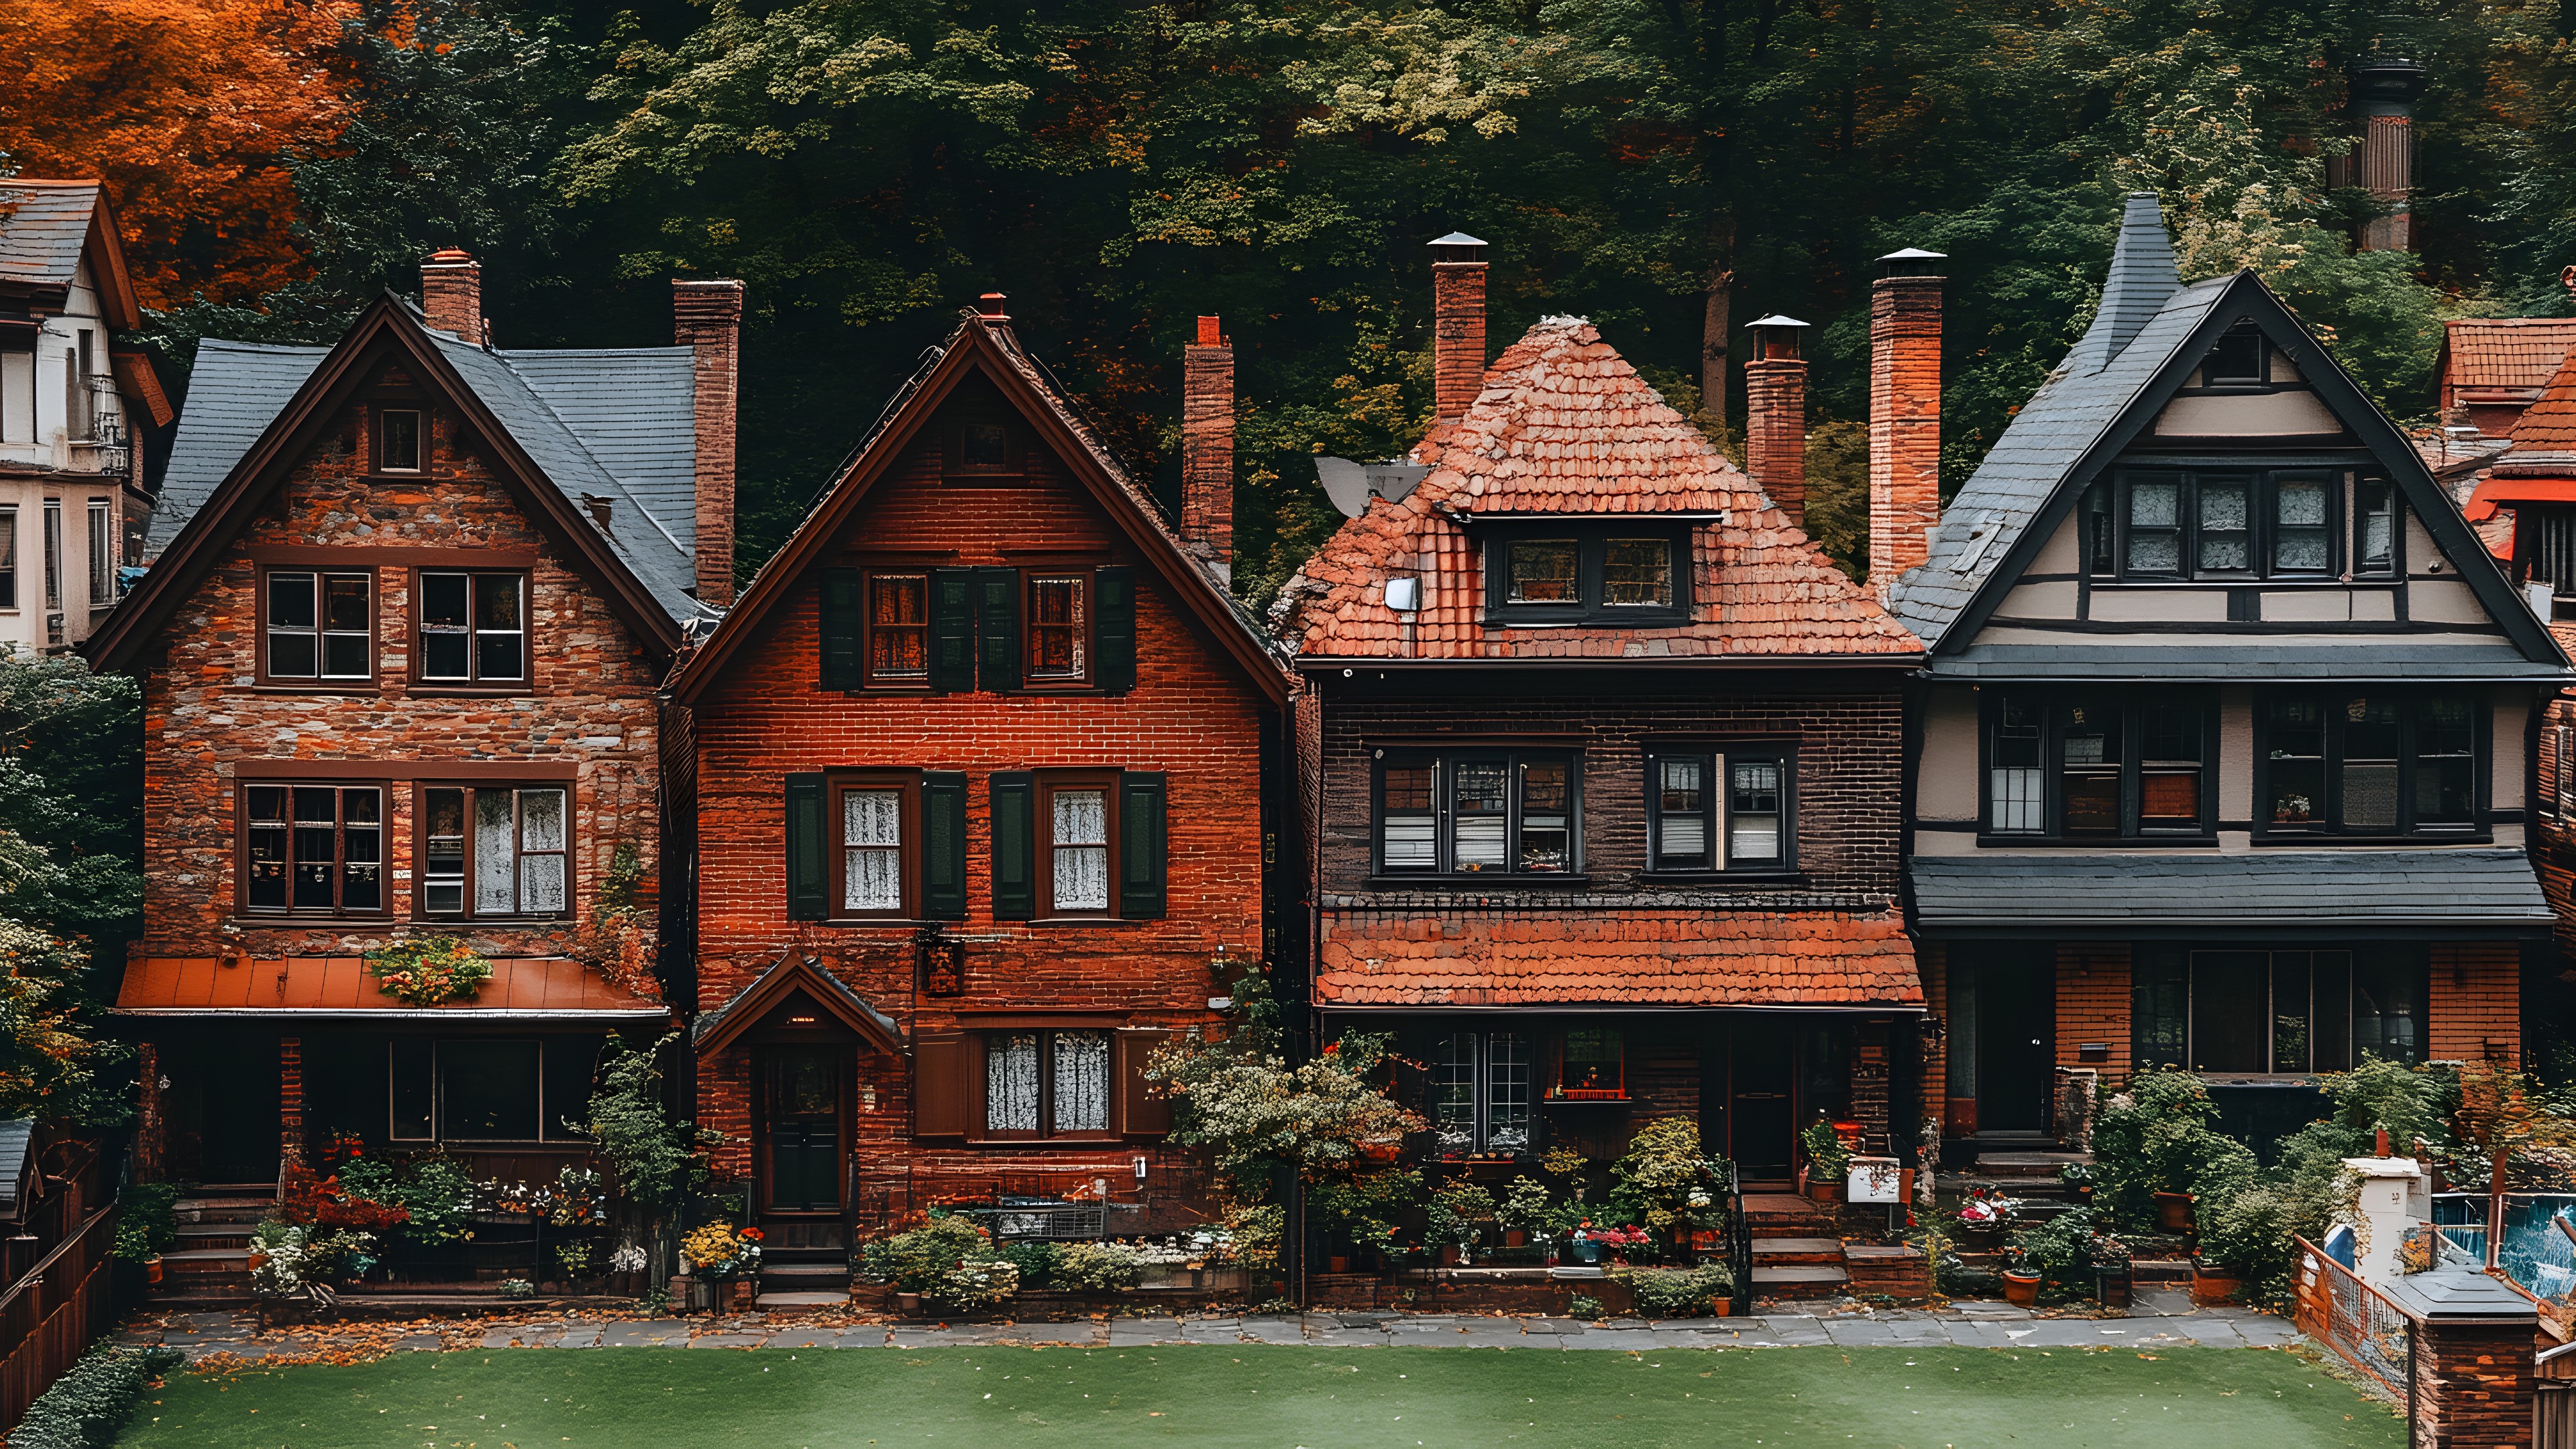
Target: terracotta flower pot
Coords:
[(1515, 1238), (152, 1270), (907, 1303), (2021, 1288), (1449, 1255), (2173, 1212), (2213, 1286), (1721, 1307)]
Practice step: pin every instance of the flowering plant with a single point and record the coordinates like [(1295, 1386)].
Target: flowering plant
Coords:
[(721, 1250), (1987, 1208), (427, 970), (579, 1199)]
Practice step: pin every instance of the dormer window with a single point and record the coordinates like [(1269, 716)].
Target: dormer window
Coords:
[(1603, 575)]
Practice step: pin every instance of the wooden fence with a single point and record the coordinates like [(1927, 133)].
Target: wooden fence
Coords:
[(49, 1316)]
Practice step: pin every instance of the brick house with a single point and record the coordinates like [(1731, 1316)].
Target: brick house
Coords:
[(399, 645), (983, 768), (1608, 767), (2225, 748)]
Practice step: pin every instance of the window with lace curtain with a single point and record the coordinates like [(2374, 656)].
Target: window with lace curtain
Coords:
[(1077, 820), (1046, 1084), (877, 821)]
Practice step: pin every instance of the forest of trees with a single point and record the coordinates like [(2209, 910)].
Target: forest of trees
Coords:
[(1670, 168)]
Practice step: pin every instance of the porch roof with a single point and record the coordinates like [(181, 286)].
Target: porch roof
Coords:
[(523, 988), (2464, 892), (1616, 959)]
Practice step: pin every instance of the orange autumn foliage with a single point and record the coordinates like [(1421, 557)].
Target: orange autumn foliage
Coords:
[(189, 109)]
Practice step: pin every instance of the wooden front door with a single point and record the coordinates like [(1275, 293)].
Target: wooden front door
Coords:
[(1761, 1121), (2016, 1057), (802, 1122)]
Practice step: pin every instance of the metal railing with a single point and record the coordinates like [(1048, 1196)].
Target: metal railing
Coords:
[(2339, 1310), (1739, 1242)]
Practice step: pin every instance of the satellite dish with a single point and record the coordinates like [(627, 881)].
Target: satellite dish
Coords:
[(1351, 485)]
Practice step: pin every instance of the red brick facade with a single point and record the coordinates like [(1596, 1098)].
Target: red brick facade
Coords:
[(1904, 423)]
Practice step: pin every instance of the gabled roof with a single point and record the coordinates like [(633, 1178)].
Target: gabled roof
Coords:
[(792, 973), (986, 347), (1565, 427), (2511, 356), (267, 405), (2098, 401), (45, 226)]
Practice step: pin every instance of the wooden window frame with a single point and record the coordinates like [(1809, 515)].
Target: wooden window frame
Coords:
[(546, 1044), (2326, 820), (9, 559), (1481, 1131), (869, 678), (1444, 764), (243, 910), (979, 1078), (2050, 700), (317, 681), (466, 910), (908, 853), (2107, 507), (1558, 1091), (420, 681), (953, 468), (1087, 631), (1592, 540), (1042, 834), (1718, 758), (383, 437)]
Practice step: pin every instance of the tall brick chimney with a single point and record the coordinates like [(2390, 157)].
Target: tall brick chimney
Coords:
[(1207, 446), (1904, 414), (706, 318), (451, 293), (1457, 323), (1775, 413)]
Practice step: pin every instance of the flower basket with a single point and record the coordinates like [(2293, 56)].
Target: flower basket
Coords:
[(428, 970)]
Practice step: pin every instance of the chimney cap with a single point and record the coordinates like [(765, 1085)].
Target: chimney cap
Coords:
[(450, 257), (1775, 320), (1912, 262), (1457, 246), (993, 305)]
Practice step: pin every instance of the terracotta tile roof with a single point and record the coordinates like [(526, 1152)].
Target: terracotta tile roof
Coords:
[(2549, 424), (549, 986), (1643, 958), (1565, 426), (2505, 354)]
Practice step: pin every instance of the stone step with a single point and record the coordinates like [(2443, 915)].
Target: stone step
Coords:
[(1825, 1251), (2028, 1164), (223, 1209), (804, 1300), (805, 1272), (1798, 1281)]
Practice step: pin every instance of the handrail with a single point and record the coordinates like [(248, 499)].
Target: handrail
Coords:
[(70, 1241), (1739, 1241)]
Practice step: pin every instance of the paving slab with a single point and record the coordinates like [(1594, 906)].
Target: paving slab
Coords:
[(1860, 1333), (1619, 1339), (1552, 1325), (728, 1340), (1271, 1330), (649, 1333), (1124, 1332)]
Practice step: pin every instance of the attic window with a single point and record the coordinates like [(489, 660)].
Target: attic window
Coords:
[(398, 441), (2236, 360), (983, 447), (1596, 576)]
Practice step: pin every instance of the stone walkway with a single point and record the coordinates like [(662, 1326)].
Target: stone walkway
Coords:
[(2160, 1320)]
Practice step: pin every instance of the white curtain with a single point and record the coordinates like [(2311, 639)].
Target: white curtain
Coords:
[(1082, 1081)]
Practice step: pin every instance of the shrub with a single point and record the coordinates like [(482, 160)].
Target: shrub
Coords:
[(1362, 1208), (1036, 1262), (434, 1195), (93, 1399), (919, 1260), (2059, 1250), (1099, 1267), (1253, 1234), (1666, 1180), (1677, 1292), (980, 1283), (1459, 1212), (427, 970), (289, 1260), (1525, 1206), (146, 1219), (1583, 1305), (2249, 1230), (2161, 1136)]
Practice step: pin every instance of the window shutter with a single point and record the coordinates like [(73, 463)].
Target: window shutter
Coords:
[(808, 895), (1116, 669), (1143, 1110), (1141, 852), (997, 629), (1721, 798), (952, 631), (2565, 787), (943, 845), (843, 614), (1015, 856), (939, 1105)]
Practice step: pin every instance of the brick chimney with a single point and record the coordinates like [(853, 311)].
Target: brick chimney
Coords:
[(1207, 446), (1457, 323), (451, 294), (1904, 414), (706, 318), (1775, 414)]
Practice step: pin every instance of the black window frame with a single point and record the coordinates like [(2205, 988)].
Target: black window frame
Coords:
[(2052, 704), (2166, 1008), (1718, 759), (1591, 539), (2111, 530), (1444, 763), (1480, 1130), (430, 1088), (2326, 819)]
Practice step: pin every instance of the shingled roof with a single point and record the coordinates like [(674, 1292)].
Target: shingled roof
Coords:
[(2509, 357), (44, 228), (1564, 426), (2547, 428), (1618, 958)]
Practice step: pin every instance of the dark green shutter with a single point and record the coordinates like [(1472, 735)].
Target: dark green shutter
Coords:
[(1141, 852), (952, 631), (997, 629), (943, 845), (843, 617), (1015, 856), (808, 892), (1117, 591)]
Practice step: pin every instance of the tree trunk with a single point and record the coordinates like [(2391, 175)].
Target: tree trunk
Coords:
[(1716, 321)]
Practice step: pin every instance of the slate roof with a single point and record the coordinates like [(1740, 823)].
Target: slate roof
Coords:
[(2107, 370), (43, 225), (2396, 657), (17, 1136), (1565, 427), (2458, 1293), (2514, 355), (2271, 887), (1615, 958), (617, 424)]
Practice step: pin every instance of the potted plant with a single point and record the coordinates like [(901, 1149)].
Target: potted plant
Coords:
[(1985, 1217), (1459, 1212), (1524, 1212), (1828, 1160), (2113, 1272), (2077, 1177), (2021, 1279)]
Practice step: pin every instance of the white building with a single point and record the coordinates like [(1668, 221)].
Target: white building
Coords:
[(74, 412)]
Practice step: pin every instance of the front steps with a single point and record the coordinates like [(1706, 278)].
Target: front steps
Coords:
[(804, 1263), (1796, 1252), (211, 1261)]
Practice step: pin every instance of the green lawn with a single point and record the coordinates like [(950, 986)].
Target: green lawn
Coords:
[(1271, 1398)]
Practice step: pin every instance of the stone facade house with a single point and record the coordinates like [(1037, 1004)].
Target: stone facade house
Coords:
[(410, 601), (984, 768), (1608, 759), (2225, 747)]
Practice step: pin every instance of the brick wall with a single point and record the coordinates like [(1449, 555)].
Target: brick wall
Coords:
[(2474, 1008), (1191, 714), (2473, 1385), (589, 709), (1904, 424), (2093, 1005)]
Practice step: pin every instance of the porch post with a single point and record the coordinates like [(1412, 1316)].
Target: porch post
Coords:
[(290, 1101), (148, 1131)]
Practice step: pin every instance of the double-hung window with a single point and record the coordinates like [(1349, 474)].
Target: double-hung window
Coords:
[(877, 818), (8, 556), (2098, 765), (2377, 764), (313, 849), (102, 554), (1078, 823), (2281, 525), (1719, 809), (398, 440), (2257, 1011), (1478, 812), (320, 624), (1058, 614), (1046, 1084), (495, 850), (473, 627), (1481, 1093), (898, 629), (1602, 575)]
